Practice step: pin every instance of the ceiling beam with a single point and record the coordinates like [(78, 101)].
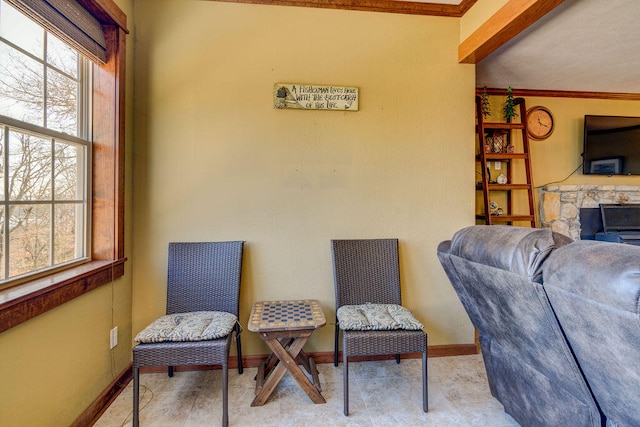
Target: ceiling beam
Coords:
[(389, 6), (505, 24)]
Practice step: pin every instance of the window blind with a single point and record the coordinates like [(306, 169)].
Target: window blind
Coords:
[(69, 21)]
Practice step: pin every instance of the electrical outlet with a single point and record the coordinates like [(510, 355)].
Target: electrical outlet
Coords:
[(497, 165), (113, 337)]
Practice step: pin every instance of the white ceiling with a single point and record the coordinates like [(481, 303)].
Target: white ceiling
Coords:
[(581, 45)]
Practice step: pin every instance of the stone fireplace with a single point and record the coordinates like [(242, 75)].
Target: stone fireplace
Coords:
[(560, 204)]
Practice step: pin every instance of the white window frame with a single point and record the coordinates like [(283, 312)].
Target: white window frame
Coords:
[(83, 140)]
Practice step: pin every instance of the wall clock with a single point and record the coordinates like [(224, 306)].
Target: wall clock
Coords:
[(540, 122)]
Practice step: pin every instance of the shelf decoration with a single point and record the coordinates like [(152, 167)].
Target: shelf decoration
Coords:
[(513, 181), (495, 209), (498, 142), (485, 105), (509, 106), (315, 97)]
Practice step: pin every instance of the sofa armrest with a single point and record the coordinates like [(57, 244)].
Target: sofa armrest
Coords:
[(445, 247)]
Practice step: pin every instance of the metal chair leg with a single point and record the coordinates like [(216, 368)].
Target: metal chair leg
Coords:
[(239, 348), (225, 395), (397, 359), (136, 397), (335, 347), (425, 387), (345, 368)]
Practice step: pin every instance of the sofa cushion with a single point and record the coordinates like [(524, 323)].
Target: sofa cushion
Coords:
[(193, 326), (516, 249), (605, 273), (594, 289), (371, 317)]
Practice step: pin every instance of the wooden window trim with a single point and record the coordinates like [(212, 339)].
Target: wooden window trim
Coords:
[(25, 301)]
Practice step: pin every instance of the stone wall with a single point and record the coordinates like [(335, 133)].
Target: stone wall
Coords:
[(560, 204)]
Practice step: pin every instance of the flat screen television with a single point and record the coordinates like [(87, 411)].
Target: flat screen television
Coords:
[(611, 145)]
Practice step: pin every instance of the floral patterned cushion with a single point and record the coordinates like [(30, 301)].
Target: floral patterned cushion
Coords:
[(371, 317), (194, 326)]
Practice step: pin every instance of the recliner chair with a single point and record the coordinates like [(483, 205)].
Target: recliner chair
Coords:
[(497, 274)]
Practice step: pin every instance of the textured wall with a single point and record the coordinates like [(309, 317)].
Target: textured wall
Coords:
[(215, 161)]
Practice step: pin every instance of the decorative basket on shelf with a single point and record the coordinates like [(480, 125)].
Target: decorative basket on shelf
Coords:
[(497, 142)]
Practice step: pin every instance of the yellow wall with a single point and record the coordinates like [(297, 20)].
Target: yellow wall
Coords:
[(557, 156), (54, 366), (215, 161)]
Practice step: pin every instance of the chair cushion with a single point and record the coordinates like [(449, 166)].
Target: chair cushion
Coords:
[(193, 326), (372, 317)]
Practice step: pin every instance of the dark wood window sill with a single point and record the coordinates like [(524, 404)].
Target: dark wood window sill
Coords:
[(26, 301)]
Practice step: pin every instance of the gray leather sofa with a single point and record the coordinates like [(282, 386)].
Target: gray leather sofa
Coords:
[(594, 289), (497, 272)]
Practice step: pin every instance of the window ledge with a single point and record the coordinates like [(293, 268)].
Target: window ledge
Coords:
[(23, 302)]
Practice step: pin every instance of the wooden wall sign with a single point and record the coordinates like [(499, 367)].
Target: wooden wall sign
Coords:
[(315, 97)]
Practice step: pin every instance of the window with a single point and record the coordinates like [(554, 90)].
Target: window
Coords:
[(106, 24), (45, 100)]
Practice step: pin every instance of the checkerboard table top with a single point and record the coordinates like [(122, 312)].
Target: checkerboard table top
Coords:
[(286, 315)]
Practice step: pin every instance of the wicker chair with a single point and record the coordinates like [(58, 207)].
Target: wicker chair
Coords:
[(202, 276), (367, 271)]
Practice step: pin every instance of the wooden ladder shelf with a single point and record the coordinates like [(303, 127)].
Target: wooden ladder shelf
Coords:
[(514, 159)]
